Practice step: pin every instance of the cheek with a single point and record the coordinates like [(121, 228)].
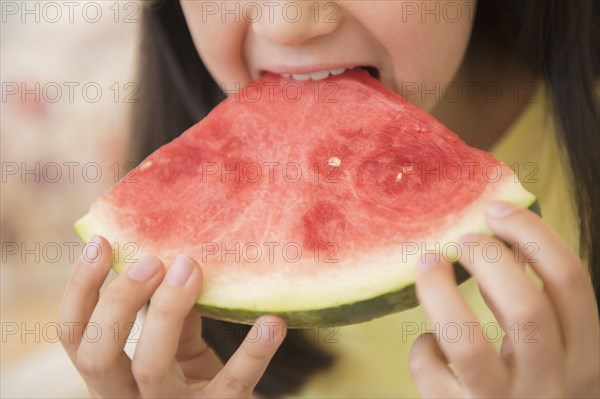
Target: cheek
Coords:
[(427, 64), (219, 43), (425, 43)]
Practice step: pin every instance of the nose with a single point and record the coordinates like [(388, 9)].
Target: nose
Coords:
[(290, 23)]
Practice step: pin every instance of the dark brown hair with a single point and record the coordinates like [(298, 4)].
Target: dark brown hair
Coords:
[(558, 40)]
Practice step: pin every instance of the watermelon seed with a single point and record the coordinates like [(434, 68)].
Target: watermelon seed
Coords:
[(405, 169), (145, 165), (334, 161)]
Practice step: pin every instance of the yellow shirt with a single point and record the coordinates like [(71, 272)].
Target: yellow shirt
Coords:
[(372, 357)]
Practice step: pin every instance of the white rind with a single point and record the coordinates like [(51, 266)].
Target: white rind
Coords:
[(320, 287)]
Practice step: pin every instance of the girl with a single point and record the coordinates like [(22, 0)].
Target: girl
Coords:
[(529, 51)]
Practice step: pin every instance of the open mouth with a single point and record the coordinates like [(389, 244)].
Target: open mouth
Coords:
[(320, 75), (374, 72)]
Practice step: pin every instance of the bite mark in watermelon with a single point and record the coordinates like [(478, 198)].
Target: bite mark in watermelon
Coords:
[(314, 207)]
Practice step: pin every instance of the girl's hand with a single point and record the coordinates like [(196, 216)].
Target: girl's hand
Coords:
[(551, 348), (171, 358)]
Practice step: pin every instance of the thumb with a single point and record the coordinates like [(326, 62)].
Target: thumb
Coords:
[(247, 365)]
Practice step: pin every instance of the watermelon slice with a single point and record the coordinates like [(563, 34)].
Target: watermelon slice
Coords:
[(309, 200)]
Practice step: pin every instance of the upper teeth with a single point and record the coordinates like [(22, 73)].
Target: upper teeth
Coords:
[(320, 75)]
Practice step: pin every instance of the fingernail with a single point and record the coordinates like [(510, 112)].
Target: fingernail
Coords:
[(146, 267), (426, 263), (270, 330), (180, 271), (91, 252), (500, 209), (279, 331)]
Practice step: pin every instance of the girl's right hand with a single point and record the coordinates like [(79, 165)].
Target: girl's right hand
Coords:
[(171, 358)]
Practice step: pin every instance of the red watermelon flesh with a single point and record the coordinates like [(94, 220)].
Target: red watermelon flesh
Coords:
[(311, 200)]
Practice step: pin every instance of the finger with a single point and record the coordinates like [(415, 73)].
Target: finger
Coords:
[(81, 294), (525, 313), (430, 371), (154, 366), (101, 360), (196, 359), (461, 338), (247, 365), (492, 306), (506, 350), (489, 303), (563, 274)]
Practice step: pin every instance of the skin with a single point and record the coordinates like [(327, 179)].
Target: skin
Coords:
[(173, 360), (562, 361)]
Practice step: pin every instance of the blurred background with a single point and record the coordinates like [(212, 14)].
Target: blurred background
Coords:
[(68, 85)]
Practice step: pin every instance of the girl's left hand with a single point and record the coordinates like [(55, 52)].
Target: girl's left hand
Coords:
[(551, 347)]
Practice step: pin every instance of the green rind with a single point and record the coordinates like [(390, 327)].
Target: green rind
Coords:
[(357, 312)]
